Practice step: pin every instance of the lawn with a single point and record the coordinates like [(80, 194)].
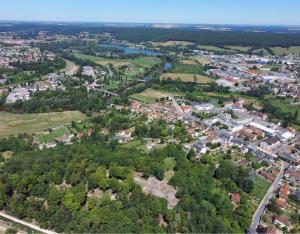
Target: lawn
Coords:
[(261, 187), (13, 124), (150, 95), (200, 79), (55, 133), (170, 163)]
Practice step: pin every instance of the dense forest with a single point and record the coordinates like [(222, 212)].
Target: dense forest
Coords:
[(54, 187), (142, 34)]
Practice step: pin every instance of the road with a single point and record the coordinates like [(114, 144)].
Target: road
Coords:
[(30, 225), (261, 208)]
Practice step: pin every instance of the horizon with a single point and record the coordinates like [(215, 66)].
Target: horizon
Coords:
[(193, 12), (143, 23)]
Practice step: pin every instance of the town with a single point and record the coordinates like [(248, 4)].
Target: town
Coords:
[(236, 104)]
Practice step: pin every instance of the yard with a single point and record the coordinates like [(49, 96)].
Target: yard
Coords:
[(13, 124), (261, 187), (55, 133)]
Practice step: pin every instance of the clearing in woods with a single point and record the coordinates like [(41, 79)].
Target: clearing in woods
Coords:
[(13, 124)]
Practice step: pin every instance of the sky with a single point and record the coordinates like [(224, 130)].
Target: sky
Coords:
[(252, 12)]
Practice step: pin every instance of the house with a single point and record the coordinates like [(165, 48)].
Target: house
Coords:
[(284, 191), (104, 131), (123, 136), (186, 109), (66, 139), (282, 222), (206, 107), (90, 132), (200, 147), (271, 229), (235, 197), (21, 94), (270, 143), (281, 202), (88, 71)]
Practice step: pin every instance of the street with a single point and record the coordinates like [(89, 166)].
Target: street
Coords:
[(260, 210), (30, 225)]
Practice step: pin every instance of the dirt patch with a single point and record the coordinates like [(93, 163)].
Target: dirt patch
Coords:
[(158, 188)]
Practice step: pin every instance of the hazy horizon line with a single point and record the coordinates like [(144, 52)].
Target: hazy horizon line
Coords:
[(149, 23)]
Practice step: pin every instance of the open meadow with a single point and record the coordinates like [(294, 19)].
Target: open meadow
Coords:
[(150, 95), (13, 124), (200, 79)]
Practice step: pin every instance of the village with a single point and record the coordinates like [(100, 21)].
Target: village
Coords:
[(269, 149)]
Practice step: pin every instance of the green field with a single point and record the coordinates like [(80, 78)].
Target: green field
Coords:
[(170, 163), (261, 187), (187, 68), (286, 51), (141, 61), (150, 95), (55, 133), (200, 79), (13, 124)]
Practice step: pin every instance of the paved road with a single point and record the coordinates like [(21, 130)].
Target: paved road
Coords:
[(30, 225), (261, 208)]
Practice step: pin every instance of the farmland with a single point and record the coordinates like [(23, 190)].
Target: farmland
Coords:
[(141, 61), (286, 51), (13, 124), (150, 95), (200, 79)]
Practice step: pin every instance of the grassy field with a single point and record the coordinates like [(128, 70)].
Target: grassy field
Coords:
[(261, 186), (201, 60), (239, 48), (174, 43), (150, 95), (188, 78), (285, 51), (187, 68), (58, 132), (141, 61), (12, 124), (170, 163)]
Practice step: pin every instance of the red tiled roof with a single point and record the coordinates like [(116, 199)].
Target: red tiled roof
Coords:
[(284, 190), (281, 202), (235, 197)]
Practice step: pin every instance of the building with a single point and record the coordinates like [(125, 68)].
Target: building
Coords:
[(21, 94), (284, 191), (282, 222), (235, 197), (206, 107)]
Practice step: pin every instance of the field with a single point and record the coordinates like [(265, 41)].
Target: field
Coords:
[(71, 68), (174, 43), (286, 51), (55, 133), (170, 163), (141, 61), (12, 124), (261, 186), (239, 48), (150, 95), (201, 60), (188, 78)]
